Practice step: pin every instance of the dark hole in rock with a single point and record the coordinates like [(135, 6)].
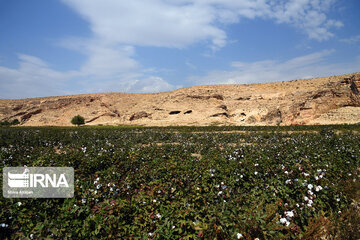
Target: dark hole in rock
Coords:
[(223, 107), (139, 115), (220, 114), (174, 112), (188, 111), (243, 98), (17, 108), (218, 96)]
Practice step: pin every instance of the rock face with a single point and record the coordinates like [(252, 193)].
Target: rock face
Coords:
[(328, 100)]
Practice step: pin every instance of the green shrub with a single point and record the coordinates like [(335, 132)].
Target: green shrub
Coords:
[(7, 123), (78, 120), (15, 122)]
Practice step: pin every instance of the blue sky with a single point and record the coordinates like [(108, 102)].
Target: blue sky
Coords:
[(61, 47)]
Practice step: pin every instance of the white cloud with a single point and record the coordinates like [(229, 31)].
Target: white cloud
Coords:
[(165, 23), (34, 78), (152, 84), (109, 60), (150, 23), (308, 66), (351, 40), (30, 60)]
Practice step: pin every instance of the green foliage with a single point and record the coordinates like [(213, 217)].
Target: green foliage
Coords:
[(189, 183), (15, 122), (78, 120), (7, 123)]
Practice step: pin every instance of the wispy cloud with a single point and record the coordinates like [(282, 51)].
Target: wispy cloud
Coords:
[(308, 66), (351, 40), (34, 78), (190, 65)]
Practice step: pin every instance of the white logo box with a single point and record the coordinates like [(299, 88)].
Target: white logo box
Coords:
[(38, 182)]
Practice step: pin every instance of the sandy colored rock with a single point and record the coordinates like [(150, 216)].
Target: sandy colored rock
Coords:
[(327, 100)]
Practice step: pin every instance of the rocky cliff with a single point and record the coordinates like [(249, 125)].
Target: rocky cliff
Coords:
[(328, 100)]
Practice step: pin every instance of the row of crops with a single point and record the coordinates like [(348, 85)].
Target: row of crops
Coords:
[(189, 183)]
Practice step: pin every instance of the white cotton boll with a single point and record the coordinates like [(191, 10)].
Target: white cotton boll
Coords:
[(306, 198), (239, 236), (158, 215), (283, 220), (310, 186), (289, 214)]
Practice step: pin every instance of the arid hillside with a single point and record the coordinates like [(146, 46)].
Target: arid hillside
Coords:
[(327, 100)]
